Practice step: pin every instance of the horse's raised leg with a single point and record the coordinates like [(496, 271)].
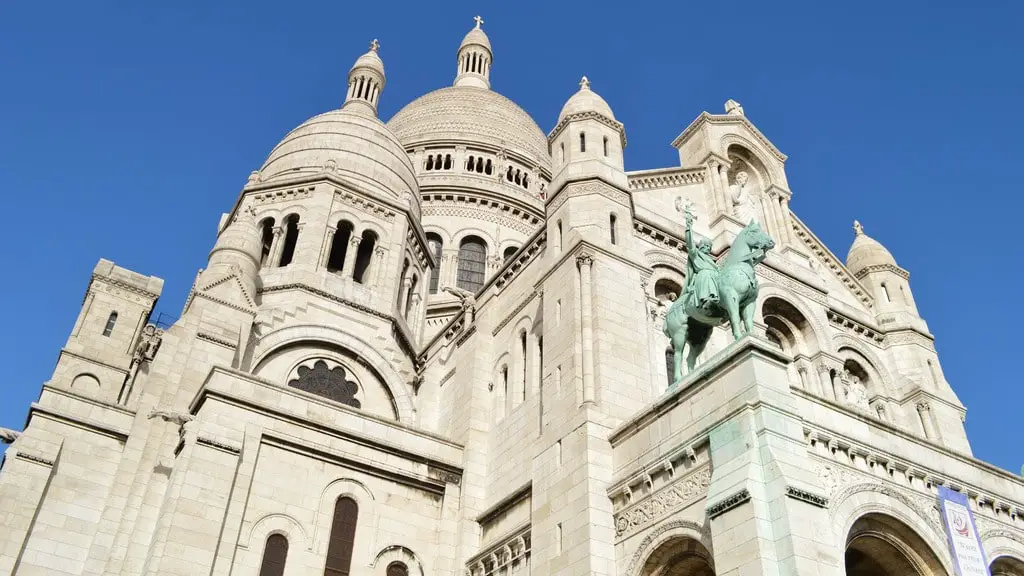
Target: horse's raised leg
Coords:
[(730, 301), (678, 343), (748, 316), (697, 345)]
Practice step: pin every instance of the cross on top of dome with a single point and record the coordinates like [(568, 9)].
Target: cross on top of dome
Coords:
[(374, 45), (478, 20), (584, 83)]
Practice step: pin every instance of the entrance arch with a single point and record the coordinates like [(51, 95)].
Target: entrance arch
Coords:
[(682, 556), (880, 545), (1007, 566)]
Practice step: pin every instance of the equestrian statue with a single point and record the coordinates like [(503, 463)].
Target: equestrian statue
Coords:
[(714, 295)]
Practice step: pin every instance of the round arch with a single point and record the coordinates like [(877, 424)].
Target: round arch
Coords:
[(880, 545), (399, 553), (918, 515), (276, 523), (840, 341), (333, 337), (367, 522), (1006, 565), (769, 290), (784, 313), (757, 152), (680, 535)]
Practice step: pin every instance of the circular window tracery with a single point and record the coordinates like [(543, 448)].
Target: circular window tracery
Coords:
[(330, 383)]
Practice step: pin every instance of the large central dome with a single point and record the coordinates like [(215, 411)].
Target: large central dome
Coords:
[(469, 114)]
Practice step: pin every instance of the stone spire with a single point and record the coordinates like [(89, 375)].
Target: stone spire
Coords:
[(366, 81), (474, 58)]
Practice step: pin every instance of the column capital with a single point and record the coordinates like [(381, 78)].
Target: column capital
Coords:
[(584, 260)]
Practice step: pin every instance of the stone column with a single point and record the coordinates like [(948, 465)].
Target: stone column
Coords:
[(714, 182), (276, 247), (924, 411), (585, 262), (376, 269), (825, 380), (350, 256), (325, 251), (787, 223), (403, 294), (723, 178)]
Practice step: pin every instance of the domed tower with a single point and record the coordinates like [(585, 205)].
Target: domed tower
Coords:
[(586, 145), (875, 266), (483, 168), (342, 260)]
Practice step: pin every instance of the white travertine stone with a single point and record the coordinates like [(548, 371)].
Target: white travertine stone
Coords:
[(330, 348)]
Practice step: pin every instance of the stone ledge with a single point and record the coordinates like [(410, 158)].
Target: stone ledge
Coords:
[(730, 502)]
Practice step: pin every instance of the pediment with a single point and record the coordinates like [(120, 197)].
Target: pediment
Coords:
[(841, 283), (228, 289)]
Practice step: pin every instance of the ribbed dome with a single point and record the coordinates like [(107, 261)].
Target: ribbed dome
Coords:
[(467, 114), (370, 60), (586, 100), (358, 147), (476, 37), (866, 251)]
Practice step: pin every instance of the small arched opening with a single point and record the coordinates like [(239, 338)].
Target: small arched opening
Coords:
[(364, 256), (291, 239), (339, 246), (507, 255), (266, 239), (435, 245)]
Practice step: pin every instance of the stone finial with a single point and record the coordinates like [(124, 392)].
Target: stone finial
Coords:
[(733, 107), (374, 45), (255, 176), (479, 21), (858, 229), (584, 83)]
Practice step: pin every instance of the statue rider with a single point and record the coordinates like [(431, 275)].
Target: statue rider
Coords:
[(701, 290)]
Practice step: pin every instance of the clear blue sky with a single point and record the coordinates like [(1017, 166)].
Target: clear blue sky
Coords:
[(129, 127)]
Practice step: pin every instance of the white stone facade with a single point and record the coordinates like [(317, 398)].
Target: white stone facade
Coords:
[(434, 347)]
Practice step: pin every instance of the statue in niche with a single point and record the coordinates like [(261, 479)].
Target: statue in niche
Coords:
[(856, 394), (743, 200), (149, 342), (714, 295), (332, 384)]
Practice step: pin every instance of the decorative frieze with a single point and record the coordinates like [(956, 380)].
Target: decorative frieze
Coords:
[(850, 325), (283, 195), (670, 498), (809, 497), (730, 502), (670, 178)]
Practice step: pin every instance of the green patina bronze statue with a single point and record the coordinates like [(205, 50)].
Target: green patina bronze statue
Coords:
[(713, 296)]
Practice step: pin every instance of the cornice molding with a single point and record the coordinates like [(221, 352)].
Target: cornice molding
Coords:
[(588, 115), (665, 178), (708, 118)]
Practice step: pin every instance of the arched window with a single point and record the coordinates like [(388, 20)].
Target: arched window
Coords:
[(480, 165), (435, 246), (267, 227), (885, 292), (504, 384), (397, 569), (583, 142), (405, 268), (611, 226), (559, 248), (430, 163), (605, 145), (447, 161), (487, 167), (291, 238), (561, 152), (526, 181), (365, 254), (339, 246), (274, 555), (508, 175), (470, 163), (343, 537), (408, 296), (472, 264), (522, 360), (516, 179), (111, 320), (508, 254)]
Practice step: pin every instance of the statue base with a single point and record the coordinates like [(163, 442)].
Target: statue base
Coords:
[(736, 415)]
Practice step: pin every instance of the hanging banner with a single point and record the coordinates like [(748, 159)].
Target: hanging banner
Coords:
[(964, 543)]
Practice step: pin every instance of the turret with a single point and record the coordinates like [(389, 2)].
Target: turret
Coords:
[(588, 140), (475, 58), (875, 266), (237, 252), (365, 82)]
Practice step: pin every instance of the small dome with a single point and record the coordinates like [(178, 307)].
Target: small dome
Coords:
[(476, 37), (357, 147), (473, 116), (586, 100), (370, 60), (866, 251), (242, 235)]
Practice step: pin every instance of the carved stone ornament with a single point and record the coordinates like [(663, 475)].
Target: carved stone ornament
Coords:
[(684, 491), (331, 383)]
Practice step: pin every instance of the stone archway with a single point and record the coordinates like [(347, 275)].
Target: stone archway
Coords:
[(1006, 566), (880, 545), (680, 556)]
